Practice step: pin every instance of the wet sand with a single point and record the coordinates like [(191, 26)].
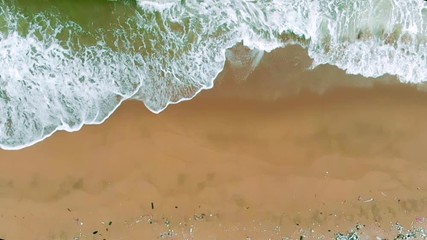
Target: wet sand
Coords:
[(286, 153)]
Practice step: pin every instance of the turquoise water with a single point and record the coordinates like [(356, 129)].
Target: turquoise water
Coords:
[(70, 63)]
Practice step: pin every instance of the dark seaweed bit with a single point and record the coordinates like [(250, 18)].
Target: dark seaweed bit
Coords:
[(109, 223), (95, 232), (301, 237), (152, 205), (69, 209)]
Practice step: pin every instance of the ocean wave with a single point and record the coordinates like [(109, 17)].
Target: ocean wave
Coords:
[(168, 51), (48, 85)]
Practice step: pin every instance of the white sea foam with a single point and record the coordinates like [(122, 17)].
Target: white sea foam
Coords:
[(159, 5), (47, 87), (169, 51), (377, 38), (367, 37)]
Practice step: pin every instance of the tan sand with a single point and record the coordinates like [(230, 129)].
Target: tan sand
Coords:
[(260, 159)]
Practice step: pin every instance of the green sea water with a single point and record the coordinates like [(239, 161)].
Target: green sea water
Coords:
[(86, 13)]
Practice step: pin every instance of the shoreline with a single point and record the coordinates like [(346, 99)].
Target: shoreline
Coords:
[(233, 163)]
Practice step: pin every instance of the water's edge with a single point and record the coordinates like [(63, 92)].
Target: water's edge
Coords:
[(58, 75)]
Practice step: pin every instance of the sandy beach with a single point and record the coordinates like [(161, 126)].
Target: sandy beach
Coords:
[(288, 153)]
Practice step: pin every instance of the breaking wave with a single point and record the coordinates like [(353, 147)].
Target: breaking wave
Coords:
[(59, 75)]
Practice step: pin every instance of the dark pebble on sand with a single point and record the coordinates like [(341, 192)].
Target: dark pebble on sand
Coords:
[(152, 205), (109, 224), (95, 232)]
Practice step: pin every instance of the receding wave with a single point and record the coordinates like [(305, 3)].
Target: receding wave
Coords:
[(58, 75)]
